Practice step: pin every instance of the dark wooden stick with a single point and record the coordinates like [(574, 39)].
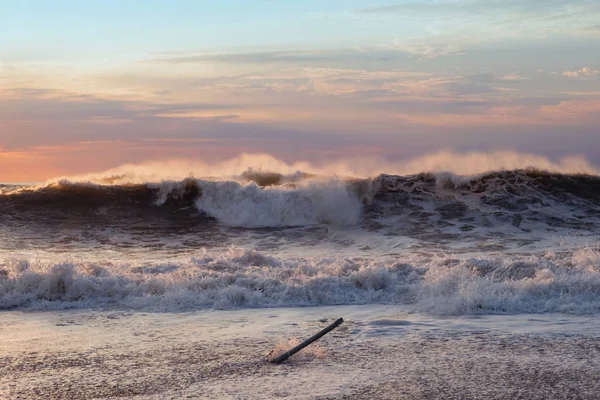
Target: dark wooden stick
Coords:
[(302, 345)]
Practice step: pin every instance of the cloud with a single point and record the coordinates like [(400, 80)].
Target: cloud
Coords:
[(422, 50), (514, 77), (311, 98), (465, 88), (411, 127), (397, 51), (294, 57), (478, 7), (428, 108), (39, 117), (574, 109), (249, 57), (583, 72), (39, 104), (500, 18), (288, 108), (583, 94), (482, 83)]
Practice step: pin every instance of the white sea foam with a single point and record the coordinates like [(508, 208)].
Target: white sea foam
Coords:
[(242, 278), (307, 203), (469, 163)]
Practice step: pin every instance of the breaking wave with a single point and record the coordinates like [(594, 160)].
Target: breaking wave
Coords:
[(248, 205), (239, 278), (519, 228), (254, 166), (262, 199)]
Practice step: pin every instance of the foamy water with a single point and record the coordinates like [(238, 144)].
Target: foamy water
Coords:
[(250, 206), (379, 352), (506, 241), (458, 276), (439, 285)]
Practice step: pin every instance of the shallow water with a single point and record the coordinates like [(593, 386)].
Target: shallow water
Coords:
[(379, 352)]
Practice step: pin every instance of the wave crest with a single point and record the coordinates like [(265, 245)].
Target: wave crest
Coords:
[(250, 166), (307, 203), (260, 199)]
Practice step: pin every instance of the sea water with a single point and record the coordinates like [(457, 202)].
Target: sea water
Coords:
[(457, 286)]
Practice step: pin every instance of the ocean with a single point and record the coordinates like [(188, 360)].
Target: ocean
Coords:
[(479, 285)]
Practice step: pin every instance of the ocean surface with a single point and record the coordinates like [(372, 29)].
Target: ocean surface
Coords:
[(519, 241), (452, 286)]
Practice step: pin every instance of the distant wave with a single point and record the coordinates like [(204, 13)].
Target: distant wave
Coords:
[(259, 199), (513, 182), (238, 278)]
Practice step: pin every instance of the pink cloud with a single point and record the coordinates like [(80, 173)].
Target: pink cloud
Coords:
[(583, 72)]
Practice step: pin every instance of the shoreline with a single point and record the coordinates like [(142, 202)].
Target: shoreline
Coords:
[(380, 352)]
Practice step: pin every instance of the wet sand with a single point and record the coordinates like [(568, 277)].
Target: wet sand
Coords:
[(380, 352)]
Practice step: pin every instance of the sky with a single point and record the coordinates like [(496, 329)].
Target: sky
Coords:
[(91, 85)]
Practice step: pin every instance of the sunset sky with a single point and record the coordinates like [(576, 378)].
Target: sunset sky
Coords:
[(89, 85)]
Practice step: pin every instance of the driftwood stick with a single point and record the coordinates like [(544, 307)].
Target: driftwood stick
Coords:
[(302, 345)]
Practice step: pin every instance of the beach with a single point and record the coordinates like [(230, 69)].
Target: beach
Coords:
[(379, 352)]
